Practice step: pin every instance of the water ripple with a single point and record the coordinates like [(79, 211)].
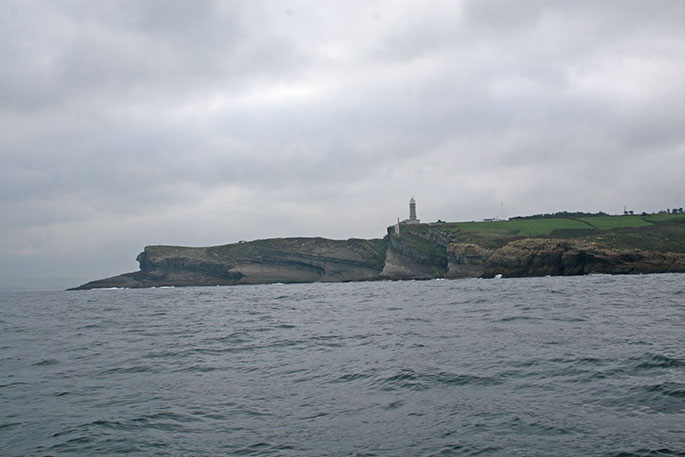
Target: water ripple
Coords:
[(533, 366)]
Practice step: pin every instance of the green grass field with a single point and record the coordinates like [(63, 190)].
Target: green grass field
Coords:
[(661, 232), (545, 226), (524, 227), (612, 222)]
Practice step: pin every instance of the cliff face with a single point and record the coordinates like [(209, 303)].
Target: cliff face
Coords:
[(256, 262), (415, 257), (466, 260), (422, 251), (541, 257)]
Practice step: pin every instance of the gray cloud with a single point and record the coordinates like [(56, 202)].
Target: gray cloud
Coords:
[(128, 123)]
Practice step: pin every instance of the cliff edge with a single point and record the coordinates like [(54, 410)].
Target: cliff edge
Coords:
[(515, 248), (551, 257), (255, 262)]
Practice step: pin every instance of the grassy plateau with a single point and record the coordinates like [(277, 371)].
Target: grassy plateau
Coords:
[(652, 232)]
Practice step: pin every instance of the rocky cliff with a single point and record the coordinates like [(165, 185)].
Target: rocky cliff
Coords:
[(256, 262), (467, 260), (542, 257), (425, 251)]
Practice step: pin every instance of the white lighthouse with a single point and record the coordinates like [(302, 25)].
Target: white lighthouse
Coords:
[(412, 211), (412, 214)]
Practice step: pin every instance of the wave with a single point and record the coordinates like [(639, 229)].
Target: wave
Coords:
[(661, 452), (651, 360), (407, 379)]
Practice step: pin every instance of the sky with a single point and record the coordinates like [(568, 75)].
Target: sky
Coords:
[(131, 123)]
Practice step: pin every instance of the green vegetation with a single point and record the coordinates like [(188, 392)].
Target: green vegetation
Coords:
[(664, 232), (495, 234), (612, 222), (371, 252), (561, 215), (528, 228), (667, 236), (654, 232), (656, 218), (239, 250), (416, 241)]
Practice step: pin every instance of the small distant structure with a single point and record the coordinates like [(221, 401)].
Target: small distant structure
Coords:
[(500, 217), (413, 220), (412, 212)]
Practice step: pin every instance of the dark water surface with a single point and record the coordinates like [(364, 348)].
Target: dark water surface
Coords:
[(539, 366)]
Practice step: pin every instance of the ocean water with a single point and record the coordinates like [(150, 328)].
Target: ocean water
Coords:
[(582, 366)]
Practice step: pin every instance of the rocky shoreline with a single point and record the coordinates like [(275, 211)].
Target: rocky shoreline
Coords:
[(291, 260)]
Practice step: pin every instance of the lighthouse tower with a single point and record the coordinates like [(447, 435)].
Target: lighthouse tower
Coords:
[(412, 213), (412, 209), (412, 217)]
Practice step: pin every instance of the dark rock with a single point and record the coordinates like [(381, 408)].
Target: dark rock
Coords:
[(256, 262), (402, 265), (541, 257), (421, 252), (466, 260)]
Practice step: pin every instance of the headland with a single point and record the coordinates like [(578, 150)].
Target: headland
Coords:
[(558, 244)]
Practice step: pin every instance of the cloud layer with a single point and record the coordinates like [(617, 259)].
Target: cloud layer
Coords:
[(128, 123)]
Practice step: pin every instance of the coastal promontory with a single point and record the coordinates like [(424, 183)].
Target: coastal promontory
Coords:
[(559, 244)]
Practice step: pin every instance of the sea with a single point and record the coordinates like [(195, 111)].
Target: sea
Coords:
[(552, 366)]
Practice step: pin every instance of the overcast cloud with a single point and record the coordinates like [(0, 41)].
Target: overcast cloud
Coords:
[(128, 123)]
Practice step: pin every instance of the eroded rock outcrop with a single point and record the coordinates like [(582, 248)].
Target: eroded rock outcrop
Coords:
[(403, 260), (404, 266), (422, 251), (541, 257), (466, 260), (256, 262)]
